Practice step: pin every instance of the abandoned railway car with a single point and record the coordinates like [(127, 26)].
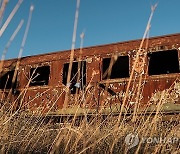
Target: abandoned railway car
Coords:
[(102, 79)]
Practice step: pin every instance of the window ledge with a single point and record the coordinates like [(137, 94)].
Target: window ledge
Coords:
[(170, 75), (114, 80)]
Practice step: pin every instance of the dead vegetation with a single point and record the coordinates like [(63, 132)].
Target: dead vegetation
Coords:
[(22, 132)]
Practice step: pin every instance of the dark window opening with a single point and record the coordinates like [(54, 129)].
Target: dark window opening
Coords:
[(39, 76), (120, 68), (6, 80), (75, 74), (163, 62)]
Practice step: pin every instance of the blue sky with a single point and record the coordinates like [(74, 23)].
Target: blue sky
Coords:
[(104, 21)]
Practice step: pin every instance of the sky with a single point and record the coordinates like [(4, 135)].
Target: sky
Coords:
[(102, 21)]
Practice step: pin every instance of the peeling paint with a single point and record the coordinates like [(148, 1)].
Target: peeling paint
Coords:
[(93, 96)]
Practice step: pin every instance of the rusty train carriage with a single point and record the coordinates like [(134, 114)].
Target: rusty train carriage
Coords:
[(47, 88)]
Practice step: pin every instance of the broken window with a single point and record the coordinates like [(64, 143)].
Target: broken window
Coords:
[(120, 67), (78, 75), (39, 76), (163, 62), (6, 80)]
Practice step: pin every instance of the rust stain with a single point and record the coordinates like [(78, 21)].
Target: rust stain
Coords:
[(96, 92)]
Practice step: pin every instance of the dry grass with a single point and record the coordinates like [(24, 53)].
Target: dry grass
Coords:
[(22, 132)]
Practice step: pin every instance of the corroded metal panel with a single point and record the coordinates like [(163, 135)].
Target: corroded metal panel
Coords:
[(97, 93)]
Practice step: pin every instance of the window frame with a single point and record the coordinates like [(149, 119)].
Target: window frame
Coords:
[(118, 55), (16, 80), (39, 66), (81, 83), (162, 74)]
